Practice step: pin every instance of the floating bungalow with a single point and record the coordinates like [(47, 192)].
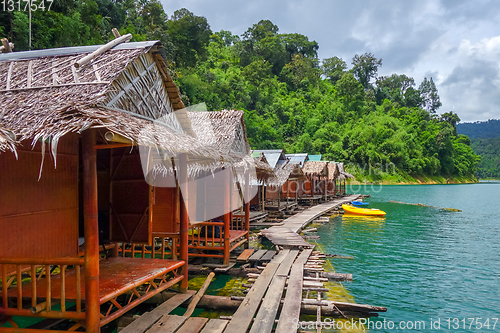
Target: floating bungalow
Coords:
[(211, 234), (74, 118), (333, 175), (343, 175), (315, 187)]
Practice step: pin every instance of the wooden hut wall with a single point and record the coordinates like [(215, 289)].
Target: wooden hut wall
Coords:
[(288, 188), (166, 210), (39, 218), (129, 198)]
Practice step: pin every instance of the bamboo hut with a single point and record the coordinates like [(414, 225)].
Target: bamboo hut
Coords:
[(317, 174), (216, 232), (271, 195), (333, 175), (78, 174), (343, 175), (286, 181)]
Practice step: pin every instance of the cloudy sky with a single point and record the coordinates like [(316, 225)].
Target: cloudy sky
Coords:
[(456, 42)]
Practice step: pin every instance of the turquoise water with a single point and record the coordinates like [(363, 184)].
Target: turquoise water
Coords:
[(423, 262)]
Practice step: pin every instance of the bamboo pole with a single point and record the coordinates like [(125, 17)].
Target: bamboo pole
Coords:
[(90, 209), (227, 217), (102, 49), (199, 295), (184, 218), (247, 207)]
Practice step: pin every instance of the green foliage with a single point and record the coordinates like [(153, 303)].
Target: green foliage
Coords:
[(386, 131), (365, 68), (429, 95), (334, 68), (489, 150), (480, 129)]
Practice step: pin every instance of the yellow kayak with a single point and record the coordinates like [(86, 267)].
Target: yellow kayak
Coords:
[(363, 211)]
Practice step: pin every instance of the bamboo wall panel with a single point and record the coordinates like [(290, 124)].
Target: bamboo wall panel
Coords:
[(33, 211), (129, 199), (166, 214)]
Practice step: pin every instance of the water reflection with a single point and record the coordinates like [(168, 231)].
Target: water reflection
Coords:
[(366, 219)]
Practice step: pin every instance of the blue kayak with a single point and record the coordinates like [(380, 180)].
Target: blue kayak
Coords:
[(360, 203)]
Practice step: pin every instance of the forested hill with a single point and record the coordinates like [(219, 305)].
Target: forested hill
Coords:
[(340, 108), (480, 129), (485, 137)]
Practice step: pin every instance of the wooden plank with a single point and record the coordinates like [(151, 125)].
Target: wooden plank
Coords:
[(173, 302), (225, 268), (293, 298), (264, 321), (193, 325), (268, 256), (168, 324), (215, 326), (242, 318), (143, 323), (147, 320), (243, 257), (257, 255)]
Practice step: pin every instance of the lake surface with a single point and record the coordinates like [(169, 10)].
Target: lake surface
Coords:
[(424, 262)]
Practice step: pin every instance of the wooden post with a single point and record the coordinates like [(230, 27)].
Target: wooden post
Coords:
[(184, 218), (326, 188), (247, 207), (262, 196), (287, 192), (227, 216), (296, 190), (90, 210), (279, 197)]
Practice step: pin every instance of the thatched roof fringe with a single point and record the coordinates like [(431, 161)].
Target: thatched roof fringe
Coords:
[(315, 168)]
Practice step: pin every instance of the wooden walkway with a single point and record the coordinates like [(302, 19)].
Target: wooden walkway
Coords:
[(287, 234)]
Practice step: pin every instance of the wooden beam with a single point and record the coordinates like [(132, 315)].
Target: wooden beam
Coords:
[(115, 32), (51, 86), (29, 76), (76, 77), (9, 75), (6, 45), (102, 49)]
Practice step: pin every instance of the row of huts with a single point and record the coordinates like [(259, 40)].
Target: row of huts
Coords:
[(108, 185)]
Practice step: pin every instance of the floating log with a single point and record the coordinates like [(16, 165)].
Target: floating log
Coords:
[(327, 307), (329, 275), (419, 204), (310, 230)]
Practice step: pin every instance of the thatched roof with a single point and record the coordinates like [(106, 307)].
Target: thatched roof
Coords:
[(333, 170), (6, 141), (287, 171), (315, 168), (343, 174), (264, 171), (124, 90)]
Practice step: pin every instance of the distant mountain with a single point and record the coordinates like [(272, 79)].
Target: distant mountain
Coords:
[(480, 129), (489, 150)]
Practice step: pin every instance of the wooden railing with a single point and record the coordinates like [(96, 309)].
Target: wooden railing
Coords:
[(34, 274), (207, 235), (237, 222), (162, 248)]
